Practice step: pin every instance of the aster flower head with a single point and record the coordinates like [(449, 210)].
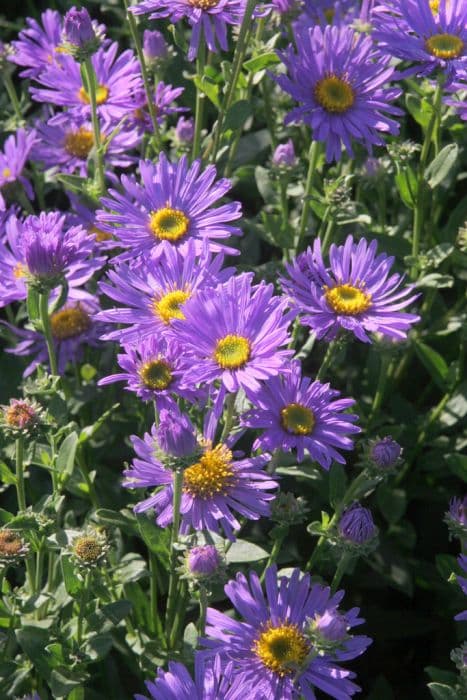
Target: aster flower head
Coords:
[(356, 293), (356, 526), (213, 681), (154, 45), (216, 485), (155, 294), (456, 518), (338, 78), (21, 416), (172, 205), (431, 36), (270, 649), (118, 79), (323, 12), (13, 547), (154, 370), (235, 334), (89, 548), (208, 17), (164, 97), (38, 45), (385, 453), (16, 151), (176, 434), (204, 561), (78, 27), (296, 413)]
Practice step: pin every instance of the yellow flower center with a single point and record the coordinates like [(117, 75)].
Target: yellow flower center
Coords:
[(102, 94), (203, 4), (282, 649), (329, 14), (444, 46), (156, 374), (88, 549), (297, 419), (212, 475), (19, 271), (232, 352), (79, 143), (168, 224), (347, 299), (6, 172), (334, 94), (69, 323), (168, 306), (10, 543), (99, 234)]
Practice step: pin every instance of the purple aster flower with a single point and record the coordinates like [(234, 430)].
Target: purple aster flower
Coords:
[(49, 250), (458, 510), (295, 412), (356, 525), (284, 155), (283, 7), (185, 129), (215, 486), (164, 99), (203, 561), (429, 37), (154, 370), (323, 12), (271, 650), (355, 293), (385, 453), (118, 80), (173, 204), (459, 99), (154, 45), (210, 17), (78, 27), (235, 334), (212, 682), (331, 625), (16, 151), (14, 272), (66, 146), (73, 330), (338, 77), (155, 294), (176, 433), (81, 215), (462, 560), (36, 47)]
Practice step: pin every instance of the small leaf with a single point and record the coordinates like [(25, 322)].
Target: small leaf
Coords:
[(116, 612), (433, 362), (6, 475), (440, 691), (209, 88), (446, 564), (66, 454), (264, 183), (435, 281), (407, 184), (337, 484), (392, 503), (440, 168), (72, 583), (237, 115), (243, 552), (116, 519), (253, 65)]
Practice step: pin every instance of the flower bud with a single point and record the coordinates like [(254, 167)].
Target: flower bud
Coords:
[(356, 525), (154, 45), (203, 561), (284, 155), (21, 415), (385, 453), (287, 509), (78, 27), (12, 547), (89, 548), (185, 130), (175, 433)]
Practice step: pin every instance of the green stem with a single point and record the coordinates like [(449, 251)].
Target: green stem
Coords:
[(328, 235), (154, 623), (239, 55), (312, 160), (82, 607), (380, 388), (20, 490), (47, 330), (229, 416), (329, 356), (340, 571), (10, 88), (200, 101), (276, 548), (171, 599), (418, 219), (179, 616), (91, 88), (203, 606)]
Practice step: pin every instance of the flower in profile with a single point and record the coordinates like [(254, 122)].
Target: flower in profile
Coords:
[(154, 45), (338, 78), (184, 131), (456, 518), (213, 681), (16, 151), (78, 27), (235, 334), (215, 487), (462, 561), (81, 215), (118, 78), (356, 293), (284, 155), (13, 548), (296, 413), (385, 453), (156, 293), (175, 433), (154, 370), (271, 649), (203, 561), (164, 97), (430, 37), (38, 45), (356, 525), (49, 249), (14, 272), (209, 18), (173, 205), (89, 548), (66, 146)]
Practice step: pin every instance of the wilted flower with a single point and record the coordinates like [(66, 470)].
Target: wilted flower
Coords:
[(356, 525), (13, 548)]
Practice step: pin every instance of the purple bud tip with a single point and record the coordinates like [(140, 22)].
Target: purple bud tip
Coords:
[(175, 433), (356, 525), (154, 44), (284, 155), (204, 561), (385, 452), (185, 130), (331, 625), (78, 27)]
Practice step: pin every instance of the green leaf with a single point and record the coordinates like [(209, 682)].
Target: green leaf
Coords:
[(407, 184), (392, 503), (98, 646), (33, 307), (440, 691), (265, 184), (90, 430), (438, 254), (337, 484), (33, 641), (435, 281), (6, 475), (156, 538), (242, 552), (421, 110), (253, 65), (433, 362), (63, 681), (446, 564), (72, 583), (116, 612), (88, 372), (456, 407), (131, 567), (440, 168), (116, 519), (237, 115), (210, 89), (457, 463), (251, 146), (66, 454)]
